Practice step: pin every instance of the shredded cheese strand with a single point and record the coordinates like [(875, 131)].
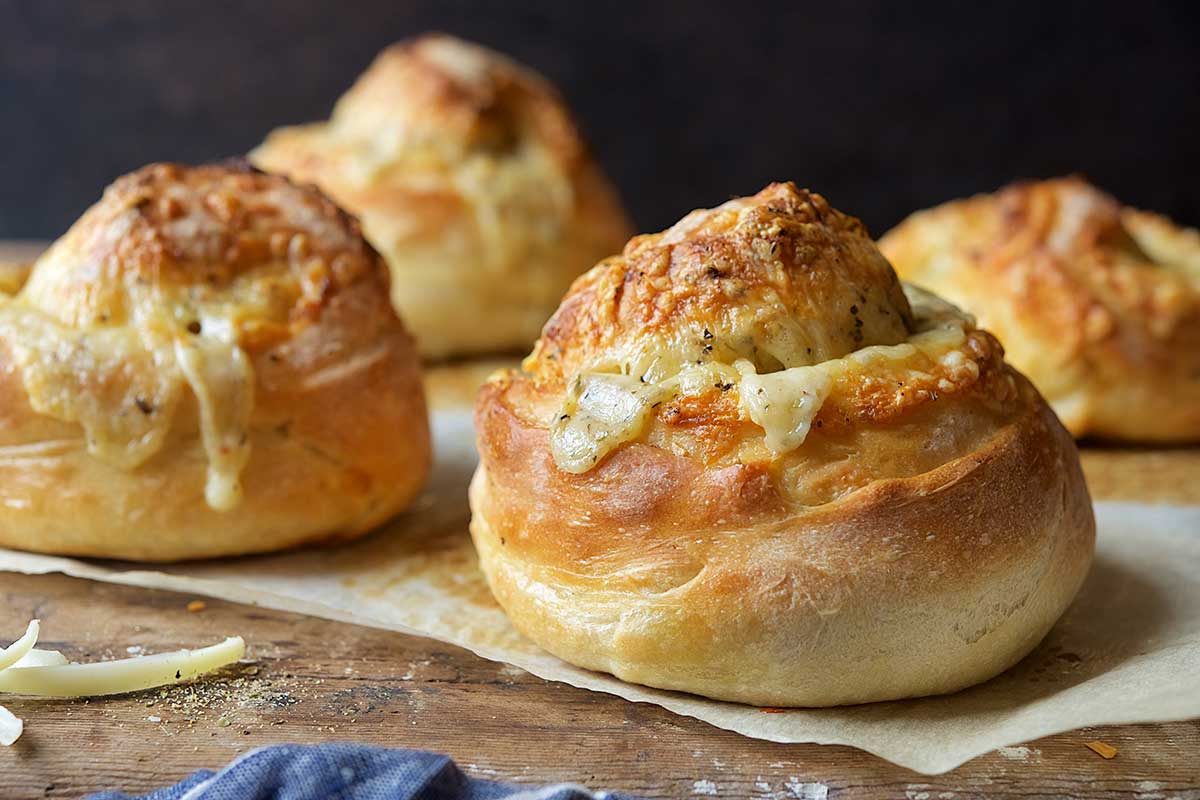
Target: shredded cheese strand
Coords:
[(11, 727), (21, 647), (119, 677), (18, 652), (42, 658), (47, 673)]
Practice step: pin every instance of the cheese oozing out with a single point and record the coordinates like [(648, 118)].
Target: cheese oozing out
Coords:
[(122, 384), (47, 673), (119, 389), (612, 404), (222, 379), (600, 412), (784, 404)]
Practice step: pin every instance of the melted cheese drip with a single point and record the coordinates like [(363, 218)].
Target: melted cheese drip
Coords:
[(783, 403), (599, 413), (122, 385), (603, 410), (121, 391), (223, 381), (609, 405)]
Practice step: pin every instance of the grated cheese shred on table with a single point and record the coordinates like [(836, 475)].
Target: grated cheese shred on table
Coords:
[(47, 673)]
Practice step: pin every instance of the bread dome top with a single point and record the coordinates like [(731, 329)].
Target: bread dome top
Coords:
[(780, 279), (170, 245), (183, 277), (734, 334)]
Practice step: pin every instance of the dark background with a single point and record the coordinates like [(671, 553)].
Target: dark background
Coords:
[(884, 107)]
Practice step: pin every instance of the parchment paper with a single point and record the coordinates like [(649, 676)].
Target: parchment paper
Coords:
[(1127, 651)]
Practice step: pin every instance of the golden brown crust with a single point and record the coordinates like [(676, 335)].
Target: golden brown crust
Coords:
[(471, 178), (946, 516), (178, 287), (1099, 304), (779, 279), (783, 253)]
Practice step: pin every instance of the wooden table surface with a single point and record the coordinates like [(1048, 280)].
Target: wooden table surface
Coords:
[(310, 680)]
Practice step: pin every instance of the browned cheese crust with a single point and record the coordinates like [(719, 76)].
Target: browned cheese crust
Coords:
[(1097, 303), (923, 535), (472, 180), (206, 364)]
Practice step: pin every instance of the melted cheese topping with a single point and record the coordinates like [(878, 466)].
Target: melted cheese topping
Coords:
[(122, 385), (611, 404), (118, 388), (520, 201), (600, 412), (783, 403), (223, 381)]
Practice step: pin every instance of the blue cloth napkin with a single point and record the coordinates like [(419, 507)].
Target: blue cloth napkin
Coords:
[(350, 772)]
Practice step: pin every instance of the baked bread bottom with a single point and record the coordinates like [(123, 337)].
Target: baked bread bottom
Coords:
[(905, 587)]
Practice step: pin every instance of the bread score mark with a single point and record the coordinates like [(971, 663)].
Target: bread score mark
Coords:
[(47, 673), (612, 404)]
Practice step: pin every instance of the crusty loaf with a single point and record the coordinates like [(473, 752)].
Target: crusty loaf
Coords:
[(1097, 303), (206, 364), (471, 178), (744, 461)]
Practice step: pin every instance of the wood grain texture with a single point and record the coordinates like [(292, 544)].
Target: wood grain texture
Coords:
[(316, 681), (1148, 475), (310, 680)]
